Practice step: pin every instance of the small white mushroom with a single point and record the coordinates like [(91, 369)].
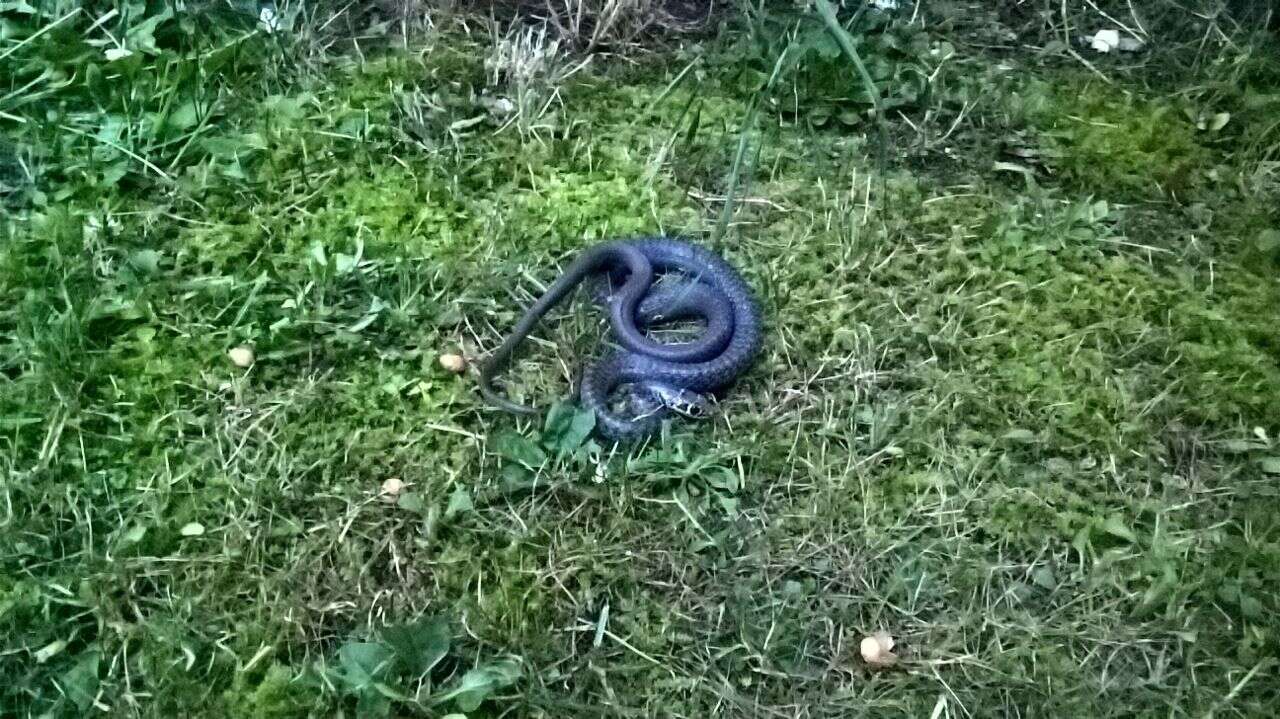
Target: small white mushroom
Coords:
[(392, 488), (1105, 40), (241, 356), (453, 363), (877, 651)]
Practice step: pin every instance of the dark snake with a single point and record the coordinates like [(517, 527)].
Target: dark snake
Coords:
[(665, 378)]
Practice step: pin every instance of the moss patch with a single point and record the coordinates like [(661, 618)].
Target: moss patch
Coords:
[(1115, 144)]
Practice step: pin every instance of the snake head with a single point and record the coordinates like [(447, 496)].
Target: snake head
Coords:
[(650, 398)]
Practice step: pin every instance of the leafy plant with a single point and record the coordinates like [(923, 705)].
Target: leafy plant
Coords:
[(565, 435), (842, 72), (120, 95), (396, 666)]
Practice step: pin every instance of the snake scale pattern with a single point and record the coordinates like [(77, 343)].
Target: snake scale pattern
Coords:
[(664, 378)]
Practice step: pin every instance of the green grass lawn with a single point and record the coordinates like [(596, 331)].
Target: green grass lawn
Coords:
[(1019, 404)]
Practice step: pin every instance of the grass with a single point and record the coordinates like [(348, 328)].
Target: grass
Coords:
[(1022, 420)]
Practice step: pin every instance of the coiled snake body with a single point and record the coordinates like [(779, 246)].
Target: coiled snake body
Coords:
[(665, 377)]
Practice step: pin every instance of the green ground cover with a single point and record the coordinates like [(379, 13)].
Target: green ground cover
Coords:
[(1018, 407)]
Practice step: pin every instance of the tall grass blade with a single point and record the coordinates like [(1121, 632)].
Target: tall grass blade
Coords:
[(827, 12), (744, 141)]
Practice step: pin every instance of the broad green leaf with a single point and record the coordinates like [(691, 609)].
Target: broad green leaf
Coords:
[(362, 663), (344, 263), (112, 173), (372, 704), (558, 418), (1268, 241), (80, 682), (1043, 577), (1151, 599), (420, 645), (1116, 527), (567, 427), (482, 682), (1250, 607), (518, 448), (184, 117), (516, 477), (1270, 465), (254, 140), (145, 261), (134, 535), (354, 125), (459, 502), (1229, 592), (723, 478), (223, 148), (1081, 542), (411, 501), (318, 254), (823, 45), (285, 108), (850, 117), (143, 35), (728, 504)]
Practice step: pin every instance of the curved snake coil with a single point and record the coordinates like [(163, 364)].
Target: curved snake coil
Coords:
[(665, 377)]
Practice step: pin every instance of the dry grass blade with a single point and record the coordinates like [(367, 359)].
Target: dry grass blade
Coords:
[(744, 143)]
